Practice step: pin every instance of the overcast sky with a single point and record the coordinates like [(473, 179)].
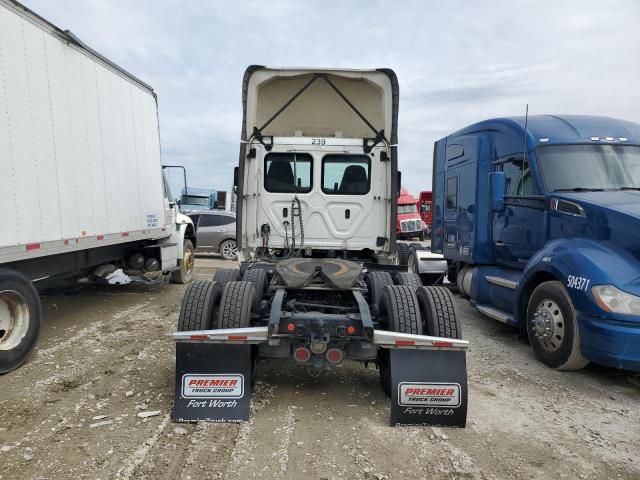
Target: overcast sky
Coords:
[(457, 62)]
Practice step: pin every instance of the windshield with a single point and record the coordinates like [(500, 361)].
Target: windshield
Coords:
[(590, 167), (408, 208), (192, 200)]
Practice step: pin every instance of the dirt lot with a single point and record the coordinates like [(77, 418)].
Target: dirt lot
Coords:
[(105, 355)]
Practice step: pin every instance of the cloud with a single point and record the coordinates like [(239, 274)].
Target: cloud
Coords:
[(457, 61)]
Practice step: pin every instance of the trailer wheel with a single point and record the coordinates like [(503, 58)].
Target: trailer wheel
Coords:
[(225, 275), (400, 305), (258, 277), (235, 307), (408, 279), (199, 306), (186, 269), (402, 253), (20, 318), (376, 281), (438, 312), (552, 327)]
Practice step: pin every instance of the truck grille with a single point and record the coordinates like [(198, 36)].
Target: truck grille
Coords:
[(410, 225)]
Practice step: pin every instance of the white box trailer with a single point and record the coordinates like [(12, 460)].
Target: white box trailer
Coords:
[(80, 173)]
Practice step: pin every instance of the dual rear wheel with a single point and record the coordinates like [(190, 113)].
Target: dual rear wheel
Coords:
[(419, 311), (227, 301)]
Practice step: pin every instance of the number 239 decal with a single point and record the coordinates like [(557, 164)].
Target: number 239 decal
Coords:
[(578, 283), (318, 141)]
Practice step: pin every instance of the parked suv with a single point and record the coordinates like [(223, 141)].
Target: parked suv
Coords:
[(216, 232)]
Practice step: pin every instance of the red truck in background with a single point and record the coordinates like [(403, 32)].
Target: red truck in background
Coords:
[(408, 224), (424, 208)]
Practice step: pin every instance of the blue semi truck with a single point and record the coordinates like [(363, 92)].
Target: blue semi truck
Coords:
[(539, 220)]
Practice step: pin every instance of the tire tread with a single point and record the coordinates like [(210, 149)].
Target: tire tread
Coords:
[(437, 304), (225, 275), (236, 304), (408, 279), (197, 306), (402, 309)]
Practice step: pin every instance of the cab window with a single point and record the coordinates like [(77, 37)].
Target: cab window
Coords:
[(519, 177), (346, 174), (288, 172)]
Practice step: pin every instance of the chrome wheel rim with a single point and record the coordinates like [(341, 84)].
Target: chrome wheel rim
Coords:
[(548, 325), (229, 249), (14, 319)]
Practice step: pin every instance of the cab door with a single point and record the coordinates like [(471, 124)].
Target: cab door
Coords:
[(519, 231)]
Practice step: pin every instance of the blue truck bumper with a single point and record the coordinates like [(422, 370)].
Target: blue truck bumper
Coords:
[(611, 343)]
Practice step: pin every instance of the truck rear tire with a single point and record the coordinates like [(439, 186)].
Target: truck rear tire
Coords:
[(438, 312), (226, 275), (199, 306), (552, 327), (408, 279), (186, 269), (258, 277), (402, 253), (376, 281), (20, 319), (400, 305), (236, 304)]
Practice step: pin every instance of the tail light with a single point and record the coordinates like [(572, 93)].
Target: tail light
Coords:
[(334, 355), (301, 354)]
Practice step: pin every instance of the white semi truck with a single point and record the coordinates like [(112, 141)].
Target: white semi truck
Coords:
[(319, 280), (80, 175)]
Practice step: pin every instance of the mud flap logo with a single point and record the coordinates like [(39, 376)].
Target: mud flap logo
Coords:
[(213, 382), (212, 386), (413, 394), (429, 387)]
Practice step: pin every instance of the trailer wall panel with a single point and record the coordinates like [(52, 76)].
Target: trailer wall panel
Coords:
[(79, 141)]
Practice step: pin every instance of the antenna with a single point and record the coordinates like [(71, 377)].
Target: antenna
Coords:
[(524, 148)]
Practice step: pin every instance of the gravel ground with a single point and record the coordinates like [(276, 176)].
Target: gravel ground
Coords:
[(105, 356)]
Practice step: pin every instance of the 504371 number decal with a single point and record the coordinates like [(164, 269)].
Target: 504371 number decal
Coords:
[(318, 141), (578, 283)]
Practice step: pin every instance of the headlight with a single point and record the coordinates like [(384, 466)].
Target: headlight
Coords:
[(611, 299)]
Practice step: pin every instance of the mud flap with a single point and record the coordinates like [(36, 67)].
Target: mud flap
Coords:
[(428, 387), (213, 382)]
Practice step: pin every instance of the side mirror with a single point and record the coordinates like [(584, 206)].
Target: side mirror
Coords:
[(235, 177), (399, 186), (497, 184)]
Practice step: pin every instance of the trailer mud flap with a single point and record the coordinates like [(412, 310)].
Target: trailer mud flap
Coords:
[(213, 382), (428, 387)]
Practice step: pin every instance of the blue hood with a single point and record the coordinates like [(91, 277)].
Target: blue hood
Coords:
[(612, 216), (626, 202)]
